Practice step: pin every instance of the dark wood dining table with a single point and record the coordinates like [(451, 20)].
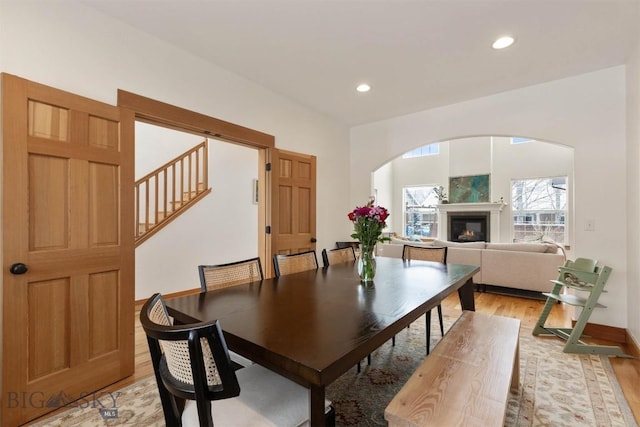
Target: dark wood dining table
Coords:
[(314, 326)]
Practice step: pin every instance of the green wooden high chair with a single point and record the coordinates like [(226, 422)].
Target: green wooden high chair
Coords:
[(586, 276)]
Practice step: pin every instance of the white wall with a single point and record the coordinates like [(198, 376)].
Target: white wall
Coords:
[(72, 47), (156, 145), (469, 156), (415, 171), (526, 161), (586, 112), (474, 156), (383, 190), (75, 48), (227, 219), (633, 192), (226, 223)]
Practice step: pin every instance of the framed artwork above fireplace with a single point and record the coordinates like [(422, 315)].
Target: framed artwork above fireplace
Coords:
[(469, 189)]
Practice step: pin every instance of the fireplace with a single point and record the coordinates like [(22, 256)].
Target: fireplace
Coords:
[(469, 227), (489, 211)]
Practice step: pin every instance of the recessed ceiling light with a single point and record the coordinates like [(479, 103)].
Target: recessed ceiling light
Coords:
[(503, 42), (363, 87)]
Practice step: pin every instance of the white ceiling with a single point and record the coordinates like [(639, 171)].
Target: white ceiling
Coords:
[(416, 54)]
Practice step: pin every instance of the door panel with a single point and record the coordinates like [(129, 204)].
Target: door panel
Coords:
[(285, 210), (103, 205), (47, 356), (304, 210), (293, 189), (48, 121), (67, 197), (103, 310), (48, 202)]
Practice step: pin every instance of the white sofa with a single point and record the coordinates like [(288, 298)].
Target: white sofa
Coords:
[(519, 266)]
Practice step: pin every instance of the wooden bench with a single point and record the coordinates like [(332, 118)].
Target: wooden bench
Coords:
[(465, 380)]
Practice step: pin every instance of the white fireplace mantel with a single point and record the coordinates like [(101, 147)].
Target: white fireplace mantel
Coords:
[(494, 210)]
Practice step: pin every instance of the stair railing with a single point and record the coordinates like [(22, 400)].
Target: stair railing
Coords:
[(161, 195)]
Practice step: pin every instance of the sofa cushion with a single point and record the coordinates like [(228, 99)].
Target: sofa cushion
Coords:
[(467, 256), (527, 266), (520, 269), (396, 241), (523, 247), (467, 245)]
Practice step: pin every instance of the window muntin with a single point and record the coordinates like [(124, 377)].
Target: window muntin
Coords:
[(539, 208)]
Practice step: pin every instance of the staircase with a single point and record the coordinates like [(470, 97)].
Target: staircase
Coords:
[(162, 195)]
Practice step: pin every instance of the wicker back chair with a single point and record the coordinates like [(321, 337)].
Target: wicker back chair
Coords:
[(192, 367), (295, 263), (338, 256), (434, 254), (173, 348), (354, 244), (230, 274)]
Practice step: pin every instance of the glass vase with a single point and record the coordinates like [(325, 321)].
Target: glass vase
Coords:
[(367, 263)]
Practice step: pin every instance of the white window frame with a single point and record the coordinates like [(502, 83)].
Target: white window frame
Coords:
[(427, 207), (527, 222)]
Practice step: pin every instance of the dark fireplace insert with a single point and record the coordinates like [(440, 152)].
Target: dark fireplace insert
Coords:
[(469, 227)]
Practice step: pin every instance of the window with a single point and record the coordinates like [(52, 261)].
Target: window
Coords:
[(516, 140), (539, 209), (425, 150), (420, 218)]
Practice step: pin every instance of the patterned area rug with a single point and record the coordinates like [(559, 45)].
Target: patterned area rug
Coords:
[(556, 389)]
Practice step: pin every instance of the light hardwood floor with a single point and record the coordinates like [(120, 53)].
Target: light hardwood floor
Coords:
[(527, 310)]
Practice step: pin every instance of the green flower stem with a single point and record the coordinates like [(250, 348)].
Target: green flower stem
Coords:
[(367, 263)]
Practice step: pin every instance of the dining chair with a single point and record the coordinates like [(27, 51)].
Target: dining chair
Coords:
[(295, 263), (230, 274), (434, 254), (193, 372), (354, 244), (338, 256)]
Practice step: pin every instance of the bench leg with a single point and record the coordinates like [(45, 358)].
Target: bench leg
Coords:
[(515, 377), (428, 328)]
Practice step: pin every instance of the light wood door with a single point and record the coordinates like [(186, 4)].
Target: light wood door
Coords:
[(68, 217), (293, 202)]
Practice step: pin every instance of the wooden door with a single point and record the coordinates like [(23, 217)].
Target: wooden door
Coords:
[(293, 202), (68, 218)]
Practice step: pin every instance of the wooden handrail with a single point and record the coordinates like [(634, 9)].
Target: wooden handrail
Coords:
[(201, 146), (164, 192)]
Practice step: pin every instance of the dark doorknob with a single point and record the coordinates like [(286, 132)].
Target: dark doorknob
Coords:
[(313, 240), (18, 268)]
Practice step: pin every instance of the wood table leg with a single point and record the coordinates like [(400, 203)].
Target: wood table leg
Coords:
[(467, 297), (317, 406)]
